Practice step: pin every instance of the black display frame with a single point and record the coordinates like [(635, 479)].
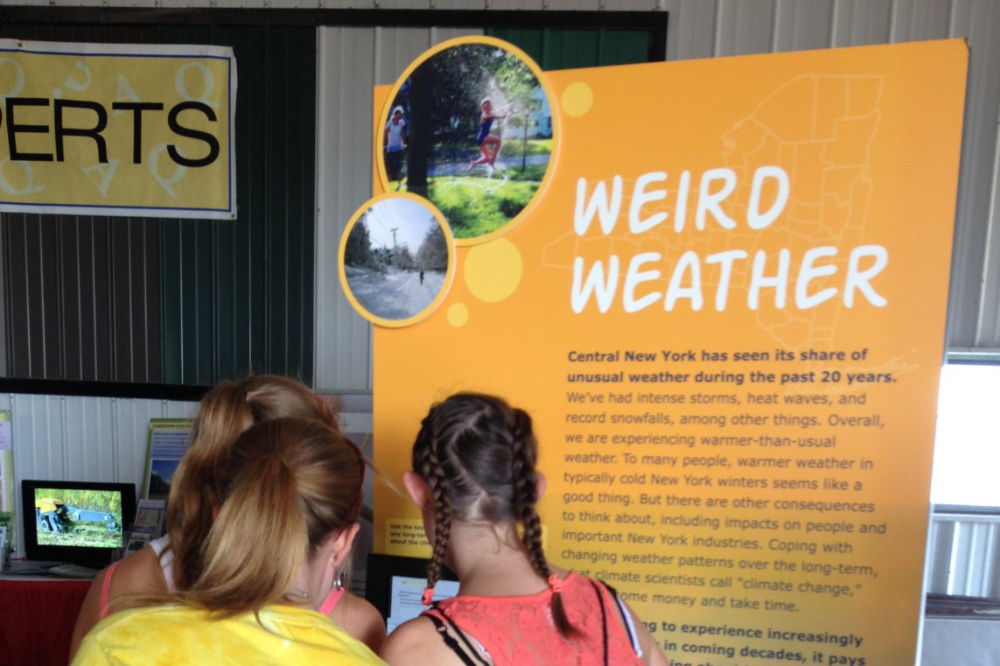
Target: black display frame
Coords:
[(81, 555)]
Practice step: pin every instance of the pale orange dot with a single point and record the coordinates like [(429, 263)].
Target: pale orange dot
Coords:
[(493, 270), (458, 315), (577, 99)]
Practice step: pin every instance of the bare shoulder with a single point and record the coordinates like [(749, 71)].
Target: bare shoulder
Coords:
[(360, 619), (417, 642), (139, 573), (90, 613)]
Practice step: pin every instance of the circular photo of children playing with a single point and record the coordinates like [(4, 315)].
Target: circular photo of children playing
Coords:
[(469, 127), (396, 259)]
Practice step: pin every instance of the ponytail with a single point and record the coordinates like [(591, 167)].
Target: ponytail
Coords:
[(197, 487), (257, 545), (290, 485)]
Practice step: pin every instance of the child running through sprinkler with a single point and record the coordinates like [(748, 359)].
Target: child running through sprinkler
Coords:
[(484, 139)]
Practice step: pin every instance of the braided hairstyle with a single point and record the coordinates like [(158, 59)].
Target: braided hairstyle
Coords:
[(477, 455)]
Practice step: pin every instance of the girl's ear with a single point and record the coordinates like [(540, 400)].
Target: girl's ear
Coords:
[(422, 496), (343, 542), (540, 484), (417, 489)]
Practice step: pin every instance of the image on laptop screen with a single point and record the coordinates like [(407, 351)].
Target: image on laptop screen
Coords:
[(79, 517), (76, 522)]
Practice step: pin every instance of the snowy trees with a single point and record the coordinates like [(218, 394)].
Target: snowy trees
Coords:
[(358, 250), (433, 252)]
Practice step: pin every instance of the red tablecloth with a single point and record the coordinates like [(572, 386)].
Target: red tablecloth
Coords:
[(36, 620)]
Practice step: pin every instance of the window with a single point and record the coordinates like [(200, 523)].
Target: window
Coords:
[(967, 445)]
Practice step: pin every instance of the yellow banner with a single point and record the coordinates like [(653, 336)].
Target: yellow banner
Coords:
[(111, 129), (726, 316)]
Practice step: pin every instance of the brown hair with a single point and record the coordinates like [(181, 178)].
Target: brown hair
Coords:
[(289, 485), (477, 455), (224, 413)]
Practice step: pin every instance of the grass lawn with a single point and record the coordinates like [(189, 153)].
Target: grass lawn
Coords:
[(477, 206), (517, 148), (83, 534)]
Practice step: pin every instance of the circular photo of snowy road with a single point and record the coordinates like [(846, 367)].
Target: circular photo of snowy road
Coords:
[(397, 259)]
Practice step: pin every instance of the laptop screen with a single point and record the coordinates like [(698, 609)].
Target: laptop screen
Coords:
[(395, 586), (76, 522)]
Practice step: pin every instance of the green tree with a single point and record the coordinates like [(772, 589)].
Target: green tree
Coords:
[(519, 85)]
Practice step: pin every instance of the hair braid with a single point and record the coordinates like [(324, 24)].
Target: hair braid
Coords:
[(477, 456), (525, 484), (429, 465)]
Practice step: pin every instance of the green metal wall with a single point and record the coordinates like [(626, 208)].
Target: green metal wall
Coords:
[(191, 302), (238, 296), (180, 301), (555, 48)]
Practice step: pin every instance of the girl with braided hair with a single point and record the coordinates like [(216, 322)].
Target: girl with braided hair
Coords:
[(475, 481)]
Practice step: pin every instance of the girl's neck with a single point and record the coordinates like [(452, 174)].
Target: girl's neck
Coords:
[(491, 561)]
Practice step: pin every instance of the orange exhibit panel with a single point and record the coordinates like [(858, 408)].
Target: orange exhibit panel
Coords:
[(719, 287)]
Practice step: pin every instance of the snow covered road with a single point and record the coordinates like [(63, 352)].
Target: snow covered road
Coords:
[(395, 295)]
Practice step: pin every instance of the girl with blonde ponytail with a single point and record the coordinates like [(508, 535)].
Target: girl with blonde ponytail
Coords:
[(176, 560), (285, 526), (475, 481)]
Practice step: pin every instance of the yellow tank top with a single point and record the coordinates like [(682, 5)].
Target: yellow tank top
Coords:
[(174, 635)]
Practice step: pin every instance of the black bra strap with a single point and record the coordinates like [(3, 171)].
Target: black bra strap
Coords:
[(625, 615), (467, 652)]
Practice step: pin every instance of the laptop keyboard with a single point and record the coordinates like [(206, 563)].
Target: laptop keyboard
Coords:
[(73, 571)]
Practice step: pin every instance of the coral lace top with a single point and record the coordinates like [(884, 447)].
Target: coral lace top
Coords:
[(520, 630)]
